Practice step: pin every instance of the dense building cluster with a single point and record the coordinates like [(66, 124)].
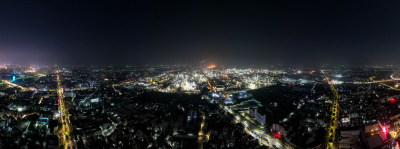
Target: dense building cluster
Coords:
[(174, 106)]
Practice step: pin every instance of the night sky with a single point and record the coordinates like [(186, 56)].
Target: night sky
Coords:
[(180, 32)]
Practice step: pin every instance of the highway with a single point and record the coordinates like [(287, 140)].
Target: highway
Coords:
[(332, 125), (65, 135)]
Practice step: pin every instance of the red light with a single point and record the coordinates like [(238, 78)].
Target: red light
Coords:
[(58, 99), (277, 135), (289, 83), (392, 100)]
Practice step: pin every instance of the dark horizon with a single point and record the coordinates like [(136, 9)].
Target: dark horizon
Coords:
[(228, 33)]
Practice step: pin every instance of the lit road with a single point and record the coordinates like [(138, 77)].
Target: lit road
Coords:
[(120, 84), (123, 83), (256, 130), (332, 125), (382, 82), (210, 86), (65, 131), (202, 137), (19, 86), (73, 89), (35, 89)]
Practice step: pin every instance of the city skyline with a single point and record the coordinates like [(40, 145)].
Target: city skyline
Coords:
[(200, 74)]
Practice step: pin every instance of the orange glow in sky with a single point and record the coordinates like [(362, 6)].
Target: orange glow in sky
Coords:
[(211, 66)]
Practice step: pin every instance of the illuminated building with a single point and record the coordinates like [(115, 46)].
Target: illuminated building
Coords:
[(279, 129), (260, 118)]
